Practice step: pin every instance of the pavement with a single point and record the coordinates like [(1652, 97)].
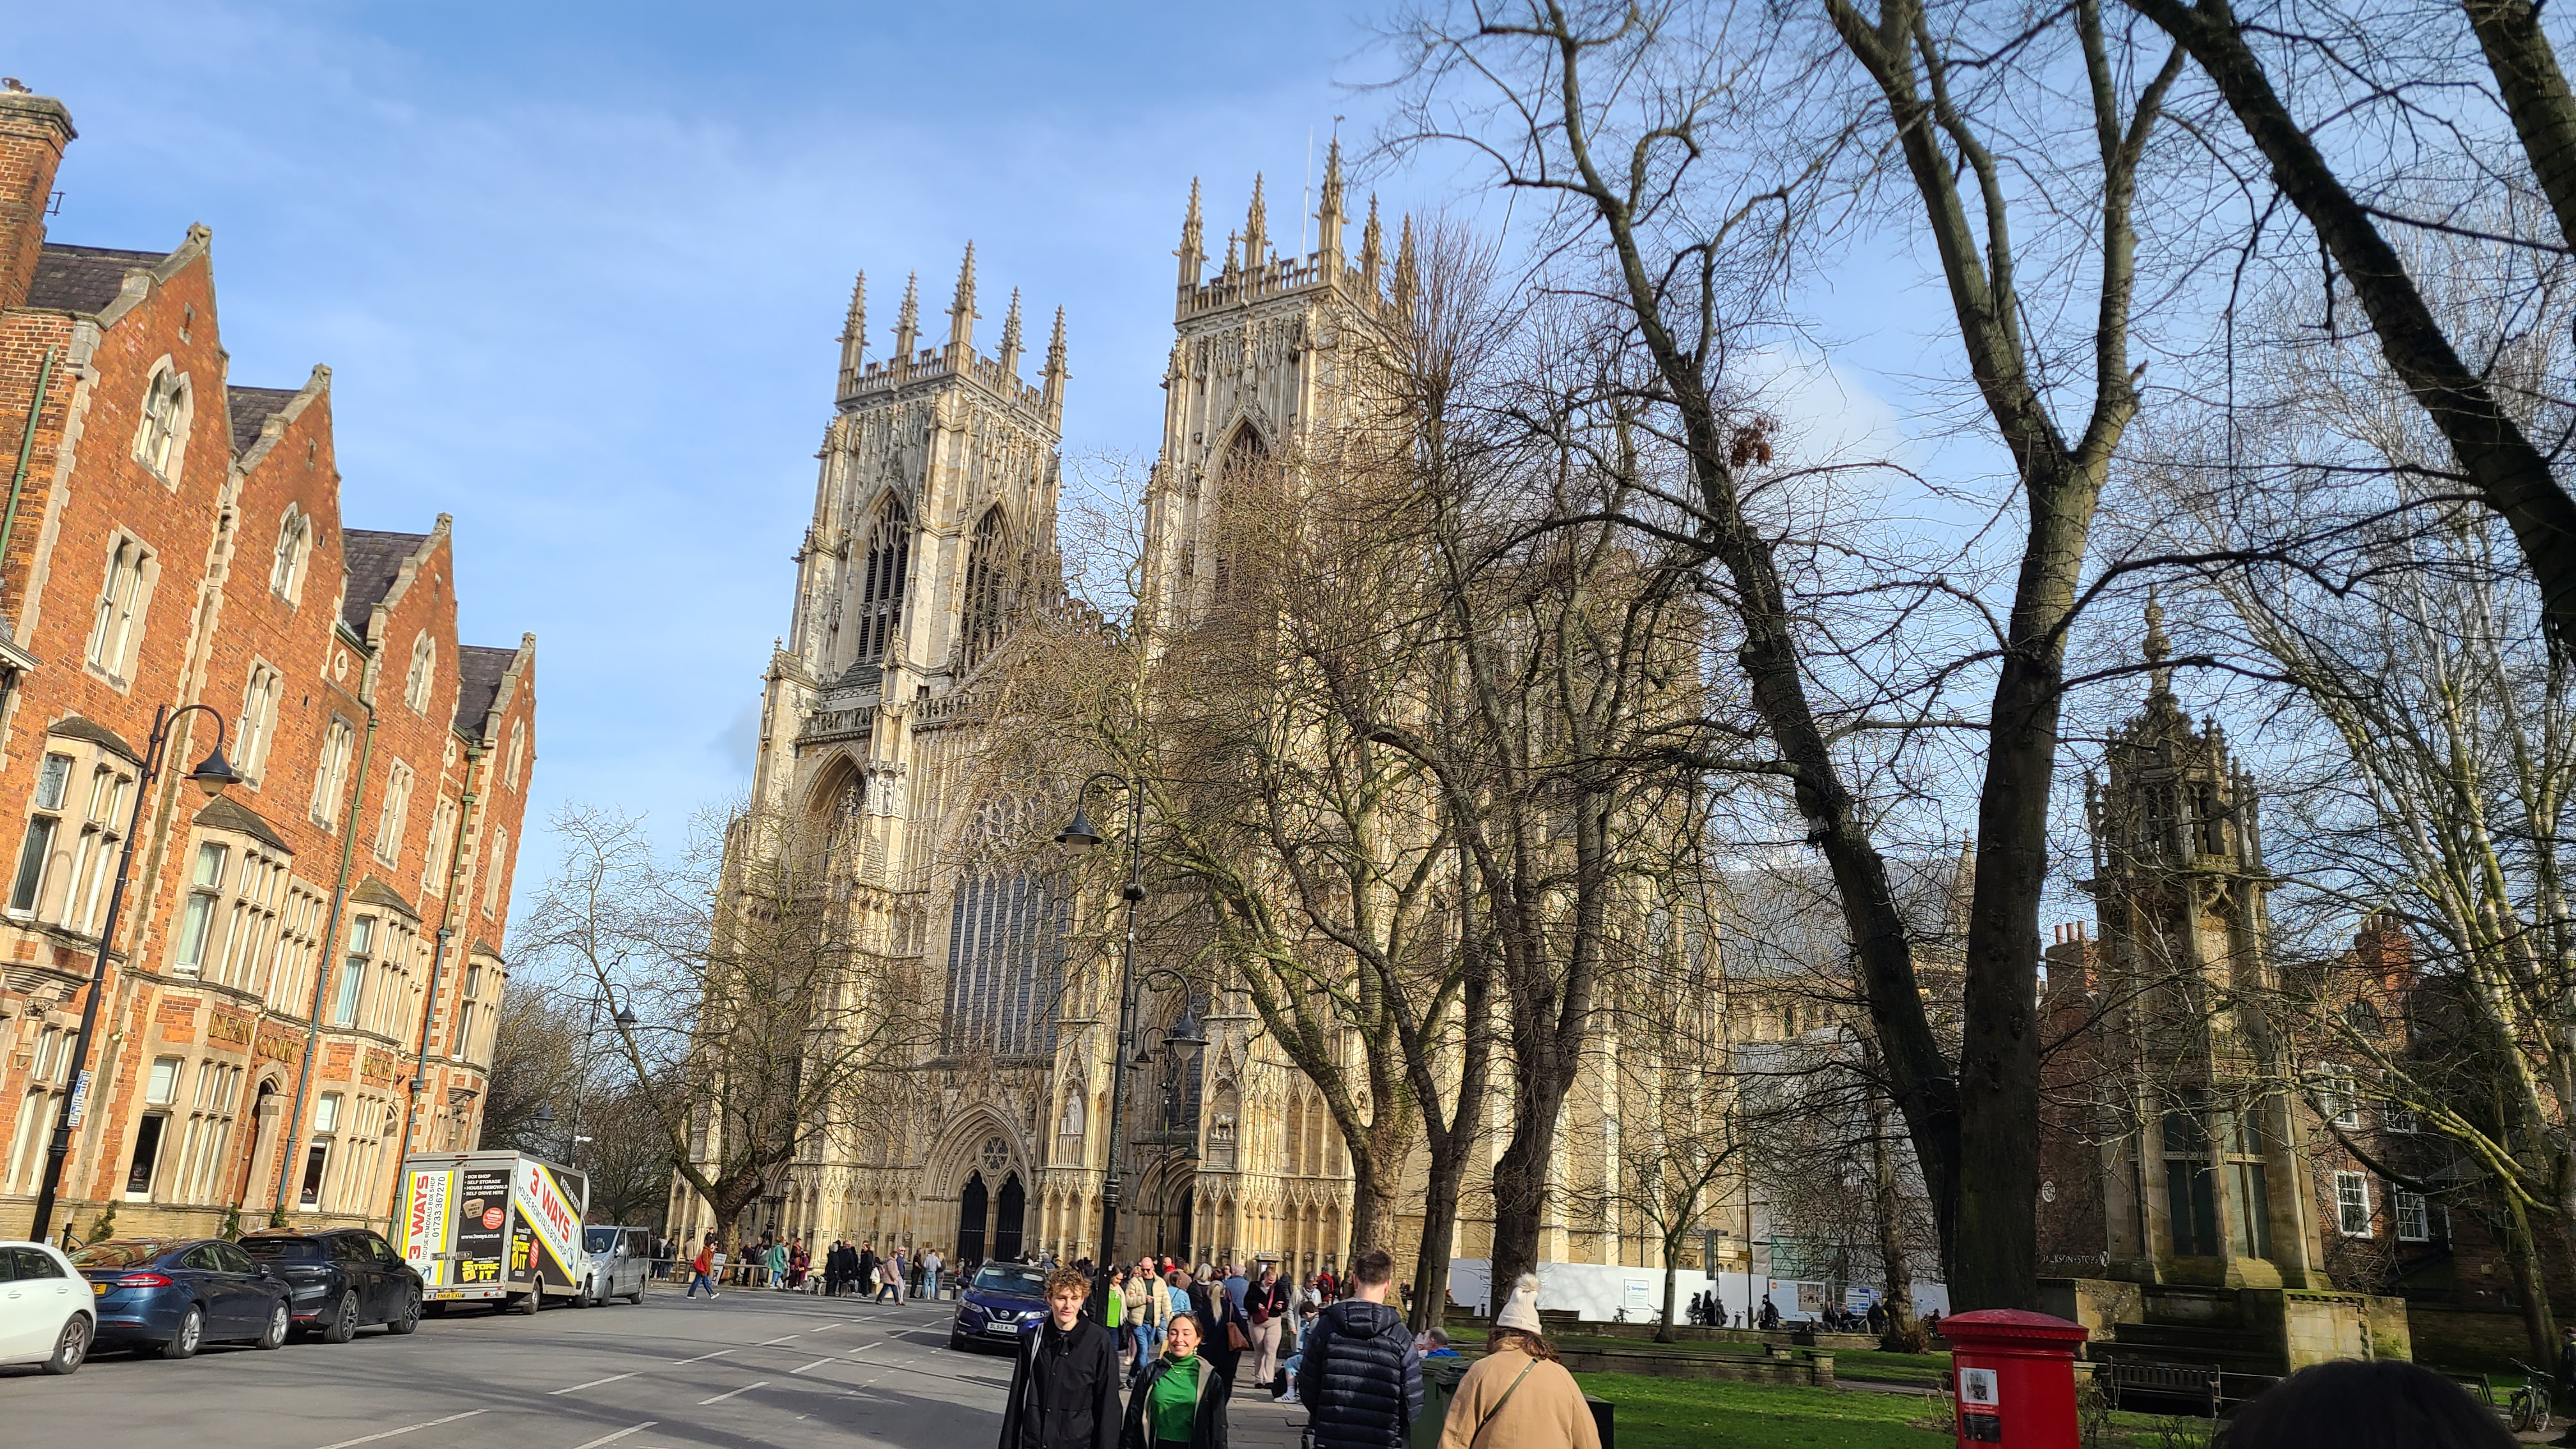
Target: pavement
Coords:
[(752, 1368)]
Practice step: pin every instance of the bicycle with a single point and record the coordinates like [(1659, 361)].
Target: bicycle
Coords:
[(2527, 1408)]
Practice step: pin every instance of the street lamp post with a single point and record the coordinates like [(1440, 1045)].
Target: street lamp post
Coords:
[(212, 775), (1082, 834)]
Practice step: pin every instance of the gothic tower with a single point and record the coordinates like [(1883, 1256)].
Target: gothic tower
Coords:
[(2203, 1169), (934, 515)]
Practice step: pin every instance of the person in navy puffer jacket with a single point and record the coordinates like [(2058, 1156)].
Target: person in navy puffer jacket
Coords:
[(1361, 1380)]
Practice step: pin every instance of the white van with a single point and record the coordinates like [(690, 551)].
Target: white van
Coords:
[(620, 1260)]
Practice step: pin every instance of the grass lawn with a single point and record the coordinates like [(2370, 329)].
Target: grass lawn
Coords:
[(1658, 1413), (1902, 1368)]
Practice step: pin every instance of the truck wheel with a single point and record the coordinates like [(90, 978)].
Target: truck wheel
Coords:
[(533, 1300), (582, 1297), (342, 1325)]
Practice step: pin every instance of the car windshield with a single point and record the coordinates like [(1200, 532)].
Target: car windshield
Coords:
[(599, 1240), (121, 1253), (1012, 1278), (276, 1248)]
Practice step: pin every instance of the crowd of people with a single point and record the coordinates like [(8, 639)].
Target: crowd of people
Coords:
[(788, 1266), (1178, 1342)]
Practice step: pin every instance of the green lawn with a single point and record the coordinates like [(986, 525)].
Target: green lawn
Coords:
[(1658, 1413)]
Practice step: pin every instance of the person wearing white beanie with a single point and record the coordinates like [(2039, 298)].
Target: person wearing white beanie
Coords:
[(1518, 1396)]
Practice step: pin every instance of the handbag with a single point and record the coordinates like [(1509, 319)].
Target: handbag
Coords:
[(1234, 1338)]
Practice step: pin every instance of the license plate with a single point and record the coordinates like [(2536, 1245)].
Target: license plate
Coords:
[(99, 1288), (447, 1293), (1002, 1328)]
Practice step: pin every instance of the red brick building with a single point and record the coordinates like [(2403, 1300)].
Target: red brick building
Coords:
[(306, 970)]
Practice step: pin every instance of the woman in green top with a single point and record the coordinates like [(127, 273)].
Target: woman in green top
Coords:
[(1181, 1402)]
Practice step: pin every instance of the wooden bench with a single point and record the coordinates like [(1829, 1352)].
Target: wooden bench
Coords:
[(2120, 1377)]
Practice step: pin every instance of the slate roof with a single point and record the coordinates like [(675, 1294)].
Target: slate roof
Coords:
[(372, 560), (478, 683), (252, 406), (79, 727), (84, 279), (374, 892)]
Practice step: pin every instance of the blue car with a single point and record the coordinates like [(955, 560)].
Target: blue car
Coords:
[(998, 1304), (170, 1295)]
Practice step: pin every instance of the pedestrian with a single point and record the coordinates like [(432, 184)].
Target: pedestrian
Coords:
[(1439, 1340), (1180, 1401), (865, 1274), (1113, 1309), (902, 1266), (777, 1260), (1144, 1317), (1064, 1379), (1518, 1396), (888, 1281), (1267, 1312), (1359, 1378), (2364, 1404), (703, 1269), (1770, 1314), (1221, 1324), (798, 1261), (930, 1262), (1238, 1288)]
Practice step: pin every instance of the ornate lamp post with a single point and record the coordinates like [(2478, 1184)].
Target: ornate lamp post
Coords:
[(213, 775), (1082, 835)]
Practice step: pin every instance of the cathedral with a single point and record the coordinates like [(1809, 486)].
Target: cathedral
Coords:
[(934, 519)]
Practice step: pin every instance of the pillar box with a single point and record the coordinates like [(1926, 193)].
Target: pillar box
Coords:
[(2014, 1374)]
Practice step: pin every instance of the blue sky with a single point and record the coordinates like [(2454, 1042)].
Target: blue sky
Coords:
[(578, 271)]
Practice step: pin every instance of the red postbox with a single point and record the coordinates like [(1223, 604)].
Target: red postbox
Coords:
[(2014, 1374)]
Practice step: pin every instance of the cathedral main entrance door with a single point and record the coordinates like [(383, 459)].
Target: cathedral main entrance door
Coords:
[(1006, 1224), (970, 1220)]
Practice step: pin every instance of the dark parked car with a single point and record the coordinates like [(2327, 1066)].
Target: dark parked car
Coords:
[(343, 1279), (997, 1303), (170, 1295)]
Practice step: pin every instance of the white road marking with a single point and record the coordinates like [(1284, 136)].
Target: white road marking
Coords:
[(594, 1383), (702, 1403), (826, 1328), (863, 1348), (405, 1429), (818, 1363), (613, 1438), (767, 1343), (701, 1358)]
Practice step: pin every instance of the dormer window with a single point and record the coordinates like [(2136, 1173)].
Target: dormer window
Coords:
[(158, 443)]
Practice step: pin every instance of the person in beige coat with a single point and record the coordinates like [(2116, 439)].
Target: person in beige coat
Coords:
[(1518, 1396)]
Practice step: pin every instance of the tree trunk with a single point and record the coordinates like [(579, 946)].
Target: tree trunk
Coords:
[(2530, 1283), (1377, 1171), (1439, 1224), (1672, 1287), (1888, 1206)]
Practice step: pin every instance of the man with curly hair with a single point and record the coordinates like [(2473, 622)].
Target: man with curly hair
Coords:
[(1064, 1378)]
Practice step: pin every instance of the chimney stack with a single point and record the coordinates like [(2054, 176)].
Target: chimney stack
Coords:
[(33, 131)]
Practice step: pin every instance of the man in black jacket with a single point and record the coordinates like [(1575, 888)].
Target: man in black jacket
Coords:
[(1064, 1380), (1360, 1379)]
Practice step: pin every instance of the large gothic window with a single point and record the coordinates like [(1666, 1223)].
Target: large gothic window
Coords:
[(881, 581), (1004, 960), (990, 581), (1243, 456)]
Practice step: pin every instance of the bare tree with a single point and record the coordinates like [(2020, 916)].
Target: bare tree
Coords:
[(766, 1025)]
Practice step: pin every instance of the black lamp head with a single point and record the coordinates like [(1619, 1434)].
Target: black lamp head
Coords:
[(1080, 833), (214, 774)]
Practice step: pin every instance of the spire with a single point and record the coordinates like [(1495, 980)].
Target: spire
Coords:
[(854, 336), (1233, 251), (1404, 265), (961, 312), (1328, 215), (1055, 373), (2158, 648), (907, 321), (1192, 252), (1011, 336), (1372, 247), (1256, 230)]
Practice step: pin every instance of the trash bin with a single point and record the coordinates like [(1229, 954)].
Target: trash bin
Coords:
[(1440, 1378), (1601, 1420)]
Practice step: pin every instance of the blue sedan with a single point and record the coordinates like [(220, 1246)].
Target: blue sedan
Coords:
[(1000, 1301), (171, 1295)]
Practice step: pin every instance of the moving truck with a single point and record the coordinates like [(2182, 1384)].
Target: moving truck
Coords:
[(492, 1227)]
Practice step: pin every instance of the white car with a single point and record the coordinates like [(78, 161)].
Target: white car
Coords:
[(47, 1317)]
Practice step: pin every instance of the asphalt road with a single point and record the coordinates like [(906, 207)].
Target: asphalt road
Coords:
[(751, 1368)]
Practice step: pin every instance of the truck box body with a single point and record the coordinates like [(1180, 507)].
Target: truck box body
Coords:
[(487, 1226)]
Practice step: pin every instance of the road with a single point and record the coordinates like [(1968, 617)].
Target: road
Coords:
[(750, 1368)]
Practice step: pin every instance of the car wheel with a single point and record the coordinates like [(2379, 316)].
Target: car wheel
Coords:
[(583, 1298), (342, 1325), (72, 1348), (279, 1321), (636, 1297), (192, 1327), (408, 1317), (956, 1341)]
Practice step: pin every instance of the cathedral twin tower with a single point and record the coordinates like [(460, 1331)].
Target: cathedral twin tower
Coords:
[(934, 519)]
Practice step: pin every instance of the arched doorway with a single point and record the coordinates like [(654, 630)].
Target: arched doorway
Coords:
[(970, 1219), (1006, 1223)]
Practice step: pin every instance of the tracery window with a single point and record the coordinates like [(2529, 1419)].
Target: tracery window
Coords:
[(882, 579), (990, 583)]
